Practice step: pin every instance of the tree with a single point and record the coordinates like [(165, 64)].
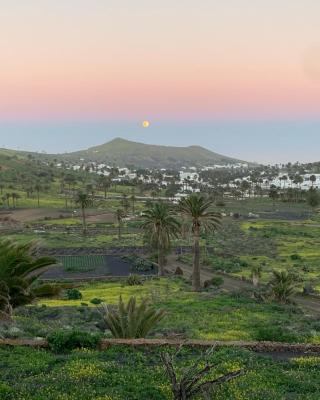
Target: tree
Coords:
[(191, 383), (313, 198), (105, 183), (119, 214), (283, 285), (131, 321), (160, 226), (273, 194), (38, 188), (313, 179), (19, 267), (125, 203), (84, 201), (133, 201), (197, 208), (256, 271)]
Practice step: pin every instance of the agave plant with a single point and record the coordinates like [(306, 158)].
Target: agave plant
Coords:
[(19, 267), (131, 321), (283, 285)]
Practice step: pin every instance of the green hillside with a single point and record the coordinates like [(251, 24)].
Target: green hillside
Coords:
[(123, 152)]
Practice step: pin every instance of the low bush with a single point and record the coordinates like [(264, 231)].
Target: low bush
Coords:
[(74, 294), (96, 301), (134, 280), (276, 334), (65, 341), (47, 290), (216, 281)]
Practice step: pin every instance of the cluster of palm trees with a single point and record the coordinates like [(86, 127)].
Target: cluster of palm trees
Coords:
[(13, 196), (161, 224)]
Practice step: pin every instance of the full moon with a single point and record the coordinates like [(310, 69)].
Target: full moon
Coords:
[(146, 124)]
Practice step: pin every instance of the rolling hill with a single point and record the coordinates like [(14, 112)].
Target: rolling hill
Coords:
[(121, 152)]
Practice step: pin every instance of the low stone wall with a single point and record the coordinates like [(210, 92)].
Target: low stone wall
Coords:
[(261, 347)]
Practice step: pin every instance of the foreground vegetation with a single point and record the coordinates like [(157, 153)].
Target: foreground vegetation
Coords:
[(211, 314), (123, 373)]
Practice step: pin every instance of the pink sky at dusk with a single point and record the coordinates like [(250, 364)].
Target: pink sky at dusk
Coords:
[(180, 60)]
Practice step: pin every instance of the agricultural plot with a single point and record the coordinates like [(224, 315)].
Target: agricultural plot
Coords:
[(82, 263), (95, 266)]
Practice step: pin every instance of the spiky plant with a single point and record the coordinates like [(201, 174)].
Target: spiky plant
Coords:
[(19, 267), (198, 209), (283, 286), (131, 320)]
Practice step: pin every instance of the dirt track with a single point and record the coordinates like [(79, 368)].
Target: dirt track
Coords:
[(311, 305)]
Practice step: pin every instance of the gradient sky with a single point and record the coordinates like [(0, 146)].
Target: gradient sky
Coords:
[(219, 74)]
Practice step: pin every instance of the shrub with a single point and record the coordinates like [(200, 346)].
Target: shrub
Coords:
[(133, 280), (273, 333), (64, 341), (216, 281), (295, 257), (74, 294), (5, 391), (130, 320), (46, 290), (96, 301)]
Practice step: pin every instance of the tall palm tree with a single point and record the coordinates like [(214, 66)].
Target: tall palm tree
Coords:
[(313, 179), (19, 267), (160, 226), (84, 201), (197, 208), (119, 214), (38, 188)]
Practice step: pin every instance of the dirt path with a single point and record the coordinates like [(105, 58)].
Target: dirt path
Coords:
[(310, 305)]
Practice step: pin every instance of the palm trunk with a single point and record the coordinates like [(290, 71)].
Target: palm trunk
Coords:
[(160, 262), (84, 221), (196, 262), (119, 230)]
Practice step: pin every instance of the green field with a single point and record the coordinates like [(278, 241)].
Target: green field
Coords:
[(212, 314), (122, 373)]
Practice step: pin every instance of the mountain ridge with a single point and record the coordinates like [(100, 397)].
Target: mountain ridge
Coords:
[(121, 151)]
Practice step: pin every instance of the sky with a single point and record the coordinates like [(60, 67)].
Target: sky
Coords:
[(238, 77)]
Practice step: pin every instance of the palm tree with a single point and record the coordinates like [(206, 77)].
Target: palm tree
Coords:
[(19, 267), (105, 183), (197, 208), (125, 203), (256, 271), (38, 188), (313, 179), (84, 201), (119, 214), (160, 226), (283, 285), (133, 201)]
